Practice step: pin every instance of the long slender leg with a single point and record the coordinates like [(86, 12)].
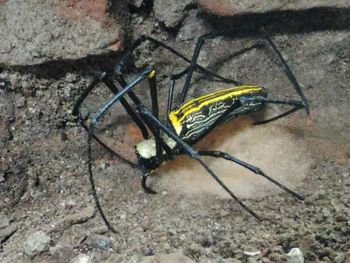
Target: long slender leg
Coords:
[(144, 185), (194, 154), (86, 128), (155, 111), (172, 81), (250, 167), (121, 80), (273, 101), (75, 112), (171, 85), (119, 66), (92, 182), (297, 106), (284, 114), (288, 71), (198, 48), (102, 111), (153, 129), (109, 83)]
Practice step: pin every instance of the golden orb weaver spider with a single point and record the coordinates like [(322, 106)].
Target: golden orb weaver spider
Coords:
[(187, 122)]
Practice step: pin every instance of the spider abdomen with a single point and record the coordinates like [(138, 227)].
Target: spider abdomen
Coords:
[(198, 116)]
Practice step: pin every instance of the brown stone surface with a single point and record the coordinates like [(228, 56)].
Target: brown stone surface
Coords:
[(79, 9), (236, 7), (35, 32), (171, 13)]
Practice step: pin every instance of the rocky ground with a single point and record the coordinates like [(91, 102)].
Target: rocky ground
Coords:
[(51, 50)]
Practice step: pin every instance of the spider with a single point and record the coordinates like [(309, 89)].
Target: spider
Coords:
[(188, 122)]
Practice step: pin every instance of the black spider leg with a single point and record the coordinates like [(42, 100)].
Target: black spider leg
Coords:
[(250, 167), (192, 153), (155, 111), (297, 106), (289, 73), (160, 144), (111, 151), (76, 113), (199, 45), (92, 182), (109, 83), (91, 135), (286, 113), (119, 66), (154, 99), (102, 111), (172, 81), (171, 85)]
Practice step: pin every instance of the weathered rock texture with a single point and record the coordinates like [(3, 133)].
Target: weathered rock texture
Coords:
[(171, 13), (238, 7), (38, 31)]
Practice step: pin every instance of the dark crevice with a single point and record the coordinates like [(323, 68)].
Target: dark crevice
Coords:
[(173, 31), (281, 22), (4, 239), (191, 6), (57, 69), (144, 10)]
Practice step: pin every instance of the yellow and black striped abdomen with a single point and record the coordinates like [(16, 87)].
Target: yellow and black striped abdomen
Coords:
[(197, 116)]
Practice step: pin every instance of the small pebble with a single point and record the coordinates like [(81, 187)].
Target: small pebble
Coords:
[(295, 256), (81, 258), (36, 243), (2, 177), (101, 242), (4, 221), (251, 253)]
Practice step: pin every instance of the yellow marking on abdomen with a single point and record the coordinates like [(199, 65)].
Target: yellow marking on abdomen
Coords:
[(197, 104)]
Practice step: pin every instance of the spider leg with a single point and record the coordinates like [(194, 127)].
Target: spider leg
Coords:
[(288, 71), (192, 153), (144, 74), (160, 144), (119, 66), (92, 183), (172, 81), (86, 128), (297, 106), (144, 185), (284, 114), (101, 112), (171, 84), (250, 167), (75, 112), (196, 52), (109, 83), (155, 111)]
